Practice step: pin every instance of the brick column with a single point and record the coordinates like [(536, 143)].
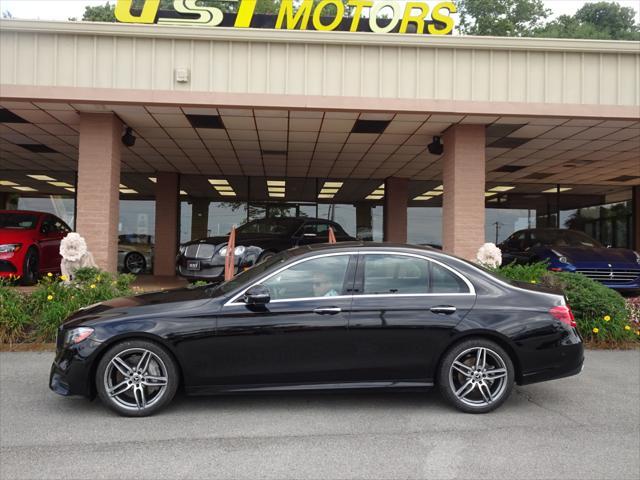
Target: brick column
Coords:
[(199, 218), (167, 215), (98, 195), (464, 185), (396, 191), (635, 218)]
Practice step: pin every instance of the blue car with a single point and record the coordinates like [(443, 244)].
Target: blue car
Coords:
[(574, 251)]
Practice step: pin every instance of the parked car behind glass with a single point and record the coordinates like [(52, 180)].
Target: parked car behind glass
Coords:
[(30, 244), (574, 251), (135, 253), (255, 241)]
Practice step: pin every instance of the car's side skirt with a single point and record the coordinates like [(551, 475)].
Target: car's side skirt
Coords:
[(304, 387)]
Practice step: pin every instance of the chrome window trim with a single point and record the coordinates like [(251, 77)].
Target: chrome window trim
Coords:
[(472, 290)]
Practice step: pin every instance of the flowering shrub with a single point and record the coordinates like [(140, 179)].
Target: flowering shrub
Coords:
[(602, 315), (489, 256), (36, 316)]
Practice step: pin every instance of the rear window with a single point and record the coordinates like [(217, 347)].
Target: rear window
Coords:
[(18, 221)]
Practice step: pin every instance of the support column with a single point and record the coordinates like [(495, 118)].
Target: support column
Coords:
[(98, 195), (635, 218), (199, 218), (464, 185), (364, 222), (396, 191), (167, 215)]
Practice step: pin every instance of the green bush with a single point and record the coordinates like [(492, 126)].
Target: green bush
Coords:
[(14, 316), (601, 313), (531, 273), (38, 315)]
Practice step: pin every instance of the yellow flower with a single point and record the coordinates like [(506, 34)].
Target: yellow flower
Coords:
[(627, 327), (595, 330), (63, 278), (49, 274), (93, 285), (533, 281), (98, 278), (607, 318), (49, 297)]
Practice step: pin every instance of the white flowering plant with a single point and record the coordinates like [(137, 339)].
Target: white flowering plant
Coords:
[(73, 247), (489, 256)]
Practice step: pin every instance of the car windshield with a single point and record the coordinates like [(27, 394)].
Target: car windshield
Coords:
[(563, 238), (18, 221), (254, 272), (271, 226)]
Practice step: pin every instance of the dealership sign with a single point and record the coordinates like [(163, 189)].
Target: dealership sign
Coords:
[(384, 16)]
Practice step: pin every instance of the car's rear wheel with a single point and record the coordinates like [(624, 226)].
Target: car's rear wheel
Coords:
[(265, 256), (135, 263), (30, 268), (476, 375), (136, 378)]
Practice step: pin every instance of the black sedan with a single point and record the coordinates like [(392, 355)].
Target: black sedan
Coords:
[(255, 241), (323, 317)]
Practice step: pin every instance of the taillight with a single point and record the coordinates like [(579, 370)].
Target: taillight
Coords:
[(564, 314)]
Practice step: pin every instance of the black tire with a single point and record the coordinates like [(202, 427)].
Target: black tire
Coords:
[(30, 267), (139, 259), (482, 390), (128, 402), (264, 256)]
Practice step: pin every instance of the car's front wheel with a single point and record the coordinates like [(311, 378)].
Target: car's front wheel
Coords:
[(136, 378), (476, 375)]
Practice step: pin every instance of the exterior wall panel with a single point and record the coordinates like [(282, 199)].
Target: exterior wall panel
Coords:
[(320, 63)]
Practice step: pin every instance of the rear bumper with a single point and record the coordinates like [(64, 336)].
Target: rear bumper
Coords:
[(569, 361)]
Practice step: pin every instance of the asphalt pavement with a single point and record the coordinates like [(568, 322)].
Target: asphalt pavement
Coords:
[(583, 427)]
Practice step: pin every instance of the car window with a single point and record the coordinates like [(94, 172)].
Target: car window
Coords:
[(18, 221), (395, 274), (400, 274), (60, 227), (319, 277), (444, 280), (48, 225)]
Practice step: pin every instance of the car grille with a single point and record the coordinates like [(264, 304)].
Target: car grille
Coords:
[(200, 250), (7, 267), (610, 275)]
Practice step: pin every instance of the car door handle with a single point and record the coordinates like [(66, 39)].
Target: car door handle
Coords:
[(445, 309), (327, 311)]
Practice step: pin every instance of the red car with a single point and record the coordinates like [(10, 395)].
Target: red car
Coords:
[(30, 244)]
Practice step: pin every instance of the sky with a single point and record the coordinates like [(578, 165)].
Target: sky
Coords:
[(63, 9)]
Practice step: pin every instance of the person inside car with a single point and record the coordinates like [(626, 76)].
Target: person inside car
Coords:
[(323, 286)]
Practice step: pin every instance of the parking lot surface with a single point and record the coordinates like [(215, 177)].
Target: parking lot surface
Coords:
[(583, 427)]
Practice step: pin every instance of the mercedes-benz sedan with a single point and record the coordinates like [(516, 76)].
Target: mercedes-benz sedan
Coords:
[(323, 317)]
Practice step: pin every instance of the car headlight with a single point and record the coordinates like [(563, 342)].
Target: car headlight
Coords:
[(76, 335), (10, 247), (561, 258), (182, 249), (637, 256), (238, 251)]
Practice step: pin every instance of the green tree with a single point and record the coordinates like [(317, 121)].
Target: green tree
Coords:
[(501, 18), (602, 20)]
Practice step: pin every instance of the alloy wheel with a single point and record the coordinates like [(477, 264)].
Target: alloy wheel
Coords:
[(134, 263), (478, 377), (136, 379)]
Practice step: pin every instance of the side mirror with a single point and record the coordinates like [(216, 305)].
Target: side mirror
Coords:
[(257, 295)]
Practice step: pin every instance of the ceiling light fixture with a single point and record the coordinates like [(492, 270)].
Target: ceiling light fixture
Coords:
[(153, 179), (422, 197), (7, 183), (128, 190), (555, 190), (501, 188), (44, 178), (60, 184), (218, 181), (25, 189)]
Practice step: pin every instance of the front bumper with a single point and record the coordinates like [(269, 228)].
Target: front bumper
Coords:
[(73, 369)]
